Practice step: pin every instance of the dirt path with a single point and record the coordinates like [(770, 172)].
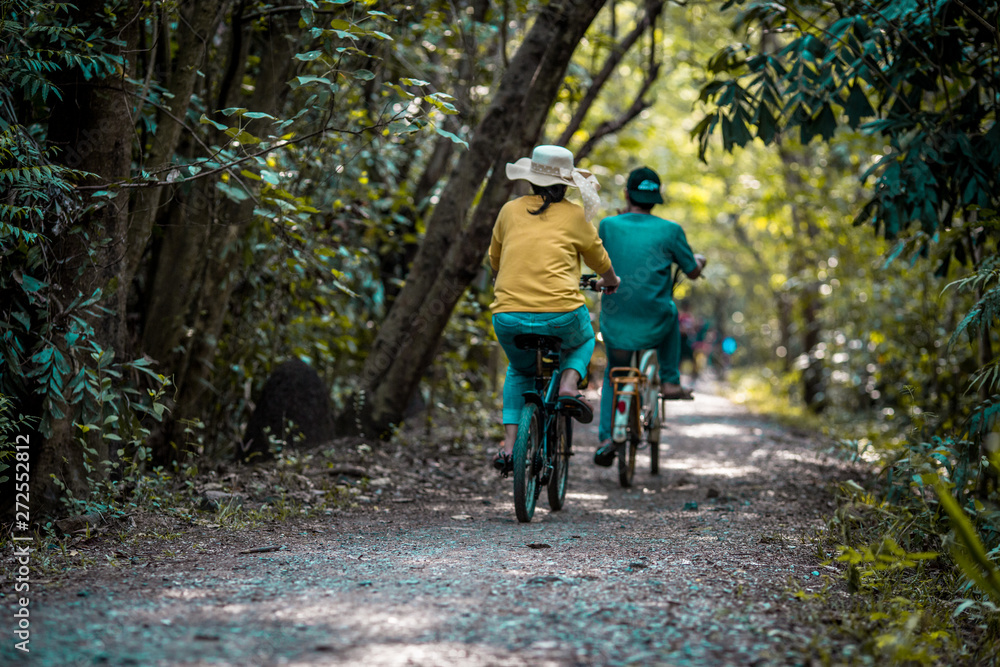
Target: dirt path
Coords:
[(692, 567)]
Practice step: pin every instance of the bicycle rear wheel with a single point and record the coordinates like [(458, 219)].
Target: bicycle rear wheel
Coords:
[(627, 449), (526, 463), (560, 462)]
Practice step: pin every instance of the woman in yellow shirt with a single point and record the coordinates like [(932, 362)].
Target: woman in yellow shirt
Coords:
[(535, 253)]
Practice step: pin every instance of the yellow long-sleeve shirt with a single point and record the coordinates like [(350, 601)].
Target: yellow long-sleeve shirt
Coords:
[(536, 258)]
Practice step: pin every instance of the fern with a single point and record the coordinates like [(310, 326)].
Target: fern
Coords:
[(986, 280), (38, 39), (984, 417), (31, 189), (988, 377), (988, 272)]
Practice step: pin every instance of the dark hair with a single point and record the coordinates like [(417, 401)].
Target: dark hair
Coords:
[(550, 194), (645, 207)]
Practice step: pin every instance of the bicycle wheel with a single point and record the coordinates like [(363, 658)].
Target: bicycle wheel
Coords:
[(653, 424), (526, 463), (560, 462), (627, 449), (652, 419)]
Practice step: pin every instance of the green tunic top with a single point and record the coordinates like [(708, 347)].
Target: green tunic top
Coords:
[(642, 248)]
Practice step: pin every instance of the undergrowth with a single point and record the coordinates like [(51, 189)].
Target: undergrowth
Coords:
[(916, 536), (158, 505)]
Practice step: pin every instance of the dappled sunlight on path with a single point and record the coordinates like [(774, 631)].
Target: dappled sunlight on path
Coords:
[(689, 567)]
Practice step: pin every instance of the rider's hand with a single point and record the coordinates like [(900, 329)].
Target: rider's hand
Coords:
[(608, 287), (701, 259)]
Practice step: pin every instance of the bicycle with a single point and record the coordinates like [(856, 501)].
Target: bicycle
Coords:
[(638, 406), (544, 432)]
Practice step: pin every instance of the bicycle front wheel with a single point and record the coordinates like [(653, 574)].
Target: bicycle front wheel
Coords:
[(627, 449), (526, 463), (652, 430), (560, 462)]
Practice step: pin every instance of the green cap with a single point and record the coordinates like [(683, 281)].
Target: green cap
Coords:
[(644, 186)]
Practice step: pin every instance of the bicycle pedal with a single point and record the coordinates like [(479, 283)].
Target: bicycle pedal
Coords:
[(546, 475)]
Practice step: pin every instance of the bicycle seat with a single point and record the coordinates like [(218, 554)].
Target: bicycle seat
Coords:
[(537, 342)]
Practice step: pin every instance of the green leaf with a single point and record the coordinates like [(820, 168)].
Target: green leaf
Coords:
[(449, 135), (767, 126), (735, 132), (205, 120), (438, 100), (823, 124), (236, 194), (857, 106), (305, 80), (29, 284), (972, 557), (22, 318), (308, 56), (242, 136), (364, 75)]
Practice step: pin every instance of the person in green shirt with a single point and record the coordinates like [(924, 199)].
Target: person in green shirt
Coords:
[(538, 242), (642, 314)]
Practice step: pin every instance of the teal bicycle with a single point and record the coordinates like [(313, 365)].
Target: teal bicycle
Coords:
[(544, 432)]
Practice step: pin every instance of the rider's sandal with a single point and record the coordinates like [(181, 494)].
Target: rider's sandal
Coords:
[(681, 394), (605, 454), (503, 463), (575, 407)]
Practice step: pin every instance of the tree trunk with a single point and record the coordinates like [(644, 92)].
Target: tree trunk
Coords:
[(813, 380), (93, 127), (451, 254), (195, 269), (802, 264), (193, 39)]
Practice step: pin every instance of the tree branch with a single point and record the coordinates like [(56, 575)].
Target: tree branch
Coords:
[(614, 125), (653, 9), (979, 19), (226, 167)]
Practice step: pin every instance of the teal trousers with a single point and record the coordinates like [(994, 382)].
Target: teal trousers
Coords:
[(573, 328)]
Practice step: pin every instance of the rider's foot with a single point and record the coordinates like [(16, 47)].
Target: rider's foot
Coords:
[(577, 408), (675, 392), (605, 454), (569, 384), (503, 463)]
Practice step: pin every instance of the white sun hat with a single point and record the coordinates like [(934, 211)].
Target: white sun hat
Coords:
[(553, 165)]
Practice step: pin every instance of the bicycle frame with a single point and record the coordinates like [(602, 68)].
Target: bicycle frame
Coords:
[(628, 384), (636, 416), (543, 442), (632, 385), (545, 395)]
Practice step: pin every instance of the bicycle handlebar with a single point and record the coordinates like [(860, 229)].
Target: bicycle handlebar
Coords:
[(588, 281)]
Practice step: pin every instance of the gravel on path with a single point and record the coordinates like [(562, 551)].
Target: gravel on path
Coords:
[(695, 566)]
